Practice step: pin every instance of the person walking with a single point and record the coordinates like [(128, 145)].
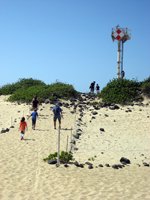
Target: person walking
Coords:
[(57, 111), (35, 103), (92, 87), (34, 116), (22, 127), (97, 88)]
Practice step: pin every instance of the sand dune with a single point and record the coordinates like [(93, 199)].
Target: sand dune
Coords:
[(24, 175)]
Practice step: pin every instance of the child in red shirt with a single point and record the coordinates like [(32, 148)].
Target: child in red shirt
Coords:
[(22, 127)]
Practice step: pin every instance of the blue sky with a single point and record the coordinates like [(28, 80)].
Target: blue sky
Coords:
[(70, 40)]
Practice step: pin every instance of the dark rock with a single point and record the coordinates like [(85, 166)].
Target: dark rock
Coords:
[(102, 129), (100, 165), (125, 161), (76, 164), (79, 130), (129, 110), (115, 166), (47, 101), (66, 165), (90, 166), (76, 136), (81, 165), (78, 133), (107, 165), (12, 127), (81, 114), (94, 113), (3, 131), (73, 142), (88, 163), (52, 162), (113, 107), (146, 164)]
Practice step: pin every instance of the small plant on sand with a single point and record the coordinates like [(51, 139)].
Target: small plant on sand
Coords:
[(52, 156), (65, 157)]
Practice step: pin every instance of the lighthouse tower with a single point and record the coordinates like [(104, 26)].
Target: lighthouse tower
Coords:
[(121, 35)]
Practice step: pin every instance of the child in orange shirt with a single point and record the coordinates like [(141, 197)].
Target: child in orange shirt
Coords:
[(22, 127)]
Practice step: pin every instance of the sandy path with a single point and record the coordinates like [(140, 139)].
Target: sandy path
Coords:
[(24, 175)]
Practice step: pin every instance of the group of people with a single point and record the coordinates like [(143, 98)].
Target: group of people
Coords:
[(94, 87), (57, 111)]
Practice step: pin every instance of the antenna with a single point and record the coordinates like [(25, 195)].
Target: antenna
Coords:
[(121, 35)]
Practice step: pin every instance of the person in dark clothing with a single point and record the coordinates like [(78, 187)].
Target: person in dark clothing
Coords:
[(92, 87), (97, 88), (35, 103), (122, 74), (57, 111)]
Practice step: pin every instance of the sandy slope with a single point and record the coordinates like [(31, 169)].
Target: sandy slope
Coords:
[(24, 175)]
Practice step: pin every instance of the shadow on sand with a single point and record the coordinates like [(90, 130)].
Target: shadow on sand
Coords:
[(28, 139), (66, 129), (41, 130)]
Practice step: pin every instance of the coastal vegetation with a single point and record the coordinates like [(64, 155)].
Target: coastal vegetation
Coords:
[(145, 87), (25, 89), (124, 91), (65, 157), (119, 91)]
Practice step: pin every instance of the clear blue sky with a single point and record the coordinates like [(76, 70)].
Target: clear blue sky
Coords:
[(70, 40)]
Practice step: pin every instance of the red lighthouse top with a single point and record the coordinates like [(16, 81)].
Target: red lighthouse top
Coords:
[(120, 34)]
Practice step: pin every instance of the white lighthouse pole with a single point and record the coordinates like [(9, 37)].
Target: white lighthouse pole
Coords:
[(119, 59)]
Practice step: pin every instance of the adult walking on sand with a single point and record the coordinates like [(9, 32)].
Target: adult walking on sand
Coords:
[(92, 87), (34, 116), (97, 88), (57, 111), (35, 103)]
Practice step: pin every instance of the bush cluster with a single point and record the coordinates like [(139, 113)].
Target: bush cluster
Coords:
[(65, 157), (145, 87), (22, 84), (25, 89), (121, 91)]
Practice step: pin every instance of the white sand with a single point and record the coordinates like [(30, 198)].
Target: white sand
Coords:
[(24, 175)]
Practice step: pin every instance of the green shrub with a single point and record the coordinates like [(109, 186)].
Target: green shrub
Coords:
[(121, 91), (26, 95), (22, 84), (146, 89), (7, 89), (51, 157), (65, 157), (147, 80), (61, 90), (25, 89)]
